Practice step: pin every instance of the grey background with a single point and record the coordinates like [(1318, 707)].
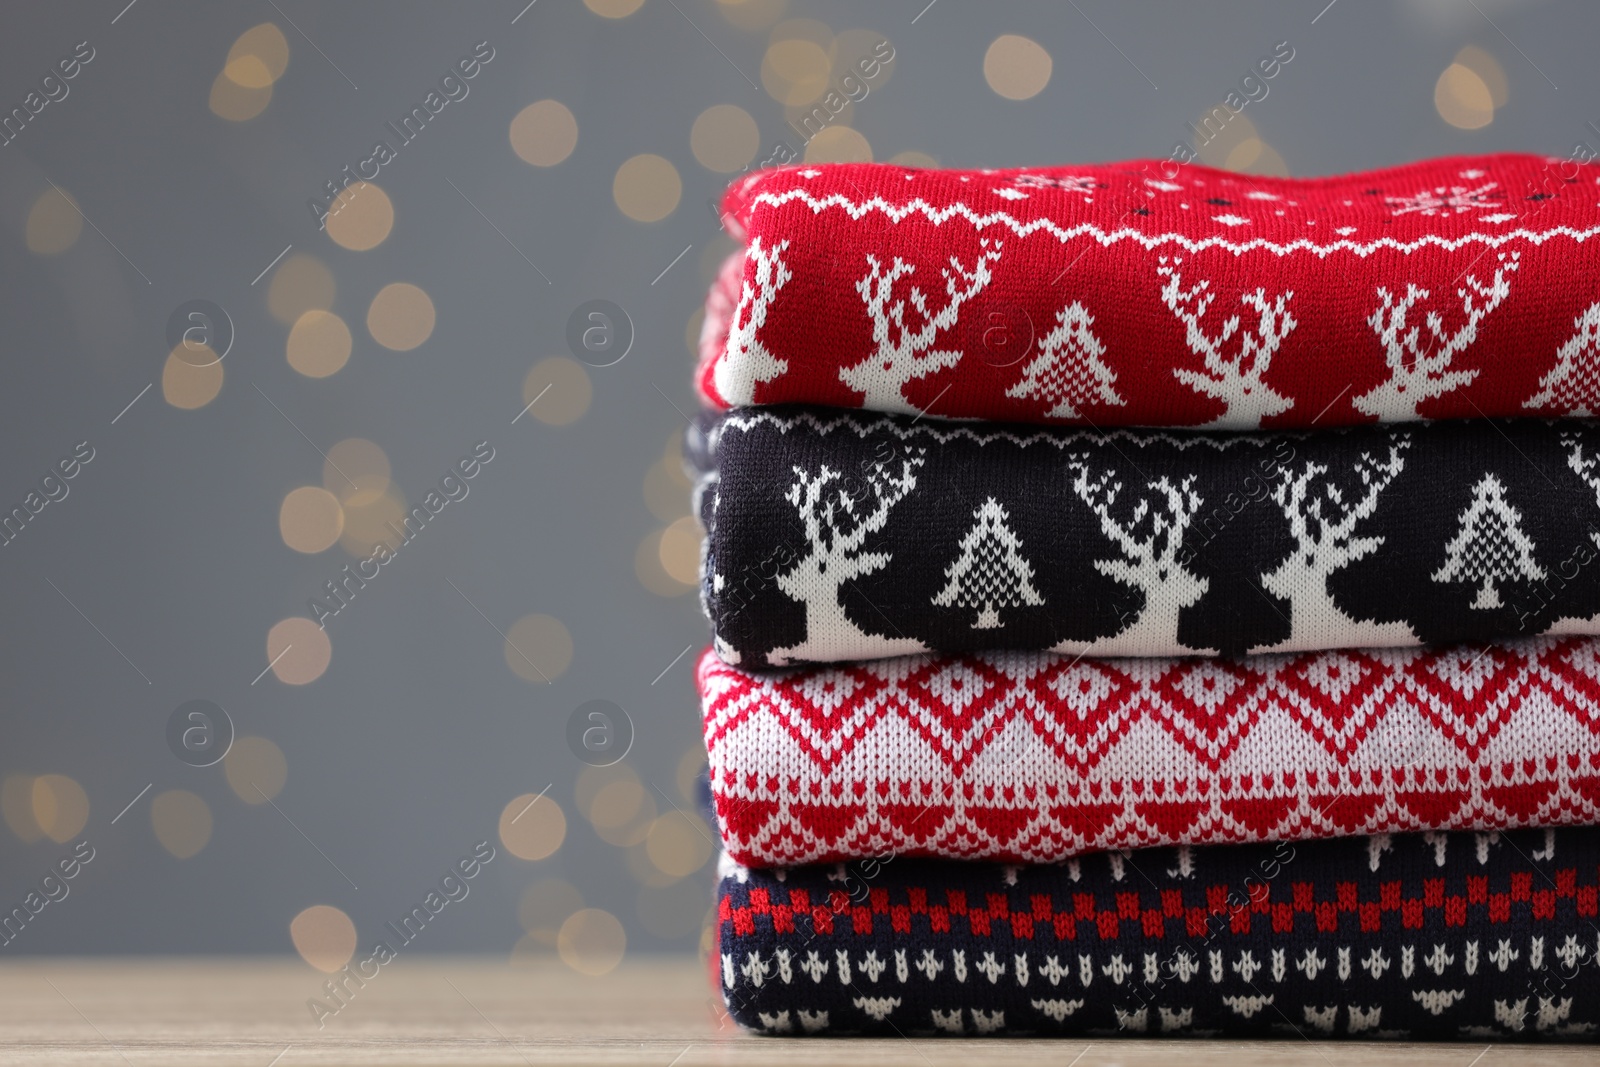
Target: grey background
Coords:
[(405, 751)]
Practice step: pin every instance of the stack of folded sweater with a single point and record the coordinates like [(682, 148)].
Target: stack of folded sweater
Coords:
[(1279, 713)]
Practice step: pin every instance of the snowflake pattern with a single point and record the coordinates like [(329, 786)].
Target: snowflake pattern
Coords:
[(1447, 200), (1084, 185)]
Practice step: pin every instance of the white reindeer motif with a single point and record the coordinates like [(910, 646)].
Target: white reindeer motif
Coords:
[(1150, 539), (1237, 380), (1322, 521), (837, 525), (901, 353), (746, 360), (1420, 371)]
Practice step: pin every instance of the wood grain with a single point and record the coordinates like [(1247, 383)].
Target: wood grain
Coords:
[(660, 1012)]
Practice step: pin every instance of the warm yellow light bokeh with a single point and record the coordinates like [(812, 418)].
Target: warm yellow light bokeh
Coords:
[(852, 48), (259, 57), (690, 766), (319, 344), (191, 378), (360, 217), (796, 70), (182, 822), (1255, 156), (371, 518), (545, 905), (559, 390), (544, 133), (16, 805), (532, 827), (53, 225), (298, 650), (1487, 67), (1463, 98), (591, 942), (356, 471), (752, 14), (622, 811), (538, 648), (1017, 67), (299, 284), (401, 316), (613, 9), (237, 103), (666, 490), (680, 550), (310, 519), (324, 936), (648, 569), (678, 844), (60, 806), (256, 769), (647, 188), (724, 138), (838, 144)]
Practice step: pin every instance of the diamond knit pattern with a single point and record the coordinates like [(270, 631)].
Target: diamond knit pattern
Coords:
[(1036, 757)]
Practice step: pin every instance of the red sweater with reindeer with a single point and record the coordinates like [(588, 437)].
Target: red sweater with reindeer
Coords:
[(1151, 294)]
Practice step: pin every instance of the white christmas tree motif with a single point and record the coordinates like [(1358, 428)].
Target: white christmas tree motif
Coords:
[(902, 353), (1445, 200), (1322, 521), (1490, 546), (746, 360), (1420, 371), (1573, 385), (838, 519), (990, 573), (1068, 372), (1238, 379), (1150, 539)]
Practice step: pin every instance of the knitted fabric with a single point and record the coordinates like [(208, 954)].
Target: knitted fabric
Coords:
[(838, 536), (1489, 937), (1126, 294), (1036, 757)]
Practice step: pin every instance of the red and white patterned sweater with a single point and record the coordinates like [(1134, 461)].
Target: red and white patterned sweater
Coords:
[(1036, 757), (1142, 293)]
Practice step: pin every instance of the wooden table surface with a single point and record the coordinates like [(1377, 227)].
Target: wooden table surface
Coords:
[(475, 1011)]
